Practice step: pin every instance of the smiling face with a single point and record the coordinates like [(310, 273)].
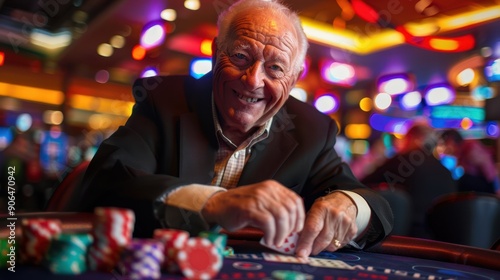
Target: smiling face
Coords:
[(254, 70)]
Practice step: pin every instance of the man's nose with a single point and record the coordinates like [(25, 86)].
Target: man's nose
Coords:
[(255, 75)]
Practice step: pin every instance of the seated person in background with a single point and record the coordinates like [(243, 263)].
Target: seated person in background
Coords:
[(415, 169), (367, 163), (232, 149), (480, 173)]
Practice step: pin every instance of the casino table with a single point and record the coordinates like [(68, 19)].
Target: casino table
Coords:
[(397, 257)]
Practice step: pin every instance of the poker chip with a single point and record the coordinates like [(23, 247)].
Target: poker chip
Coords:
[(199, 259), (112, 232), (228, 251), (66, 254), (36, 237), (218, 239), (173, 240), (142, 258), (290, 275)]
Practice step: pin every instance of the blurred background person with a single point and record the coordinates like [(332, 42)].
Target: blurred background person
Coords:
[(416, 170), (366, 164), (479, 170)]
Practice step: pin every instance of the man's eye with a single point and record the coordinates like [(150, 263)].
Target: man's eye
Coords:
[(276, 68), (239, 56)]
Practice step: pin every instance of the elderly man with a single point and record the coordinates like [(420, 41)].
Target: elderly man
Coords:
[(233, 149)]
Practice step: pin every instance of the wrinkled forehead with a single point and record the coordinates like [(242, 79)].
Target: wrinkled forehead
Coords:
[(266, 26)]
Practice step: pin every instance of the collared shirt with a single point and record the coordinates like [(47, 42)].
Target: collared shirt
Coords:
[(230, 158)]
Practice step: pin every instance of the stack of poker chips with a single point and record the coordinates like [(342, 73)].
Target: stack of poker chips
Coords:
[(173, 240), (112, 232), (141, 259), (67, 253), (36, 238), (219, 240)]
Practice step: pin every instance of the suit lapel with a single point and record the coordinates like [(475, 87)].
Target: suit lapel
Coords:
[(197, 156), (197, 138)]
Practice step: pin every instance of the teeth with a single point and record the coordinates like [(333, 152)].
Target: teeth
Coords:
[(249, 100)]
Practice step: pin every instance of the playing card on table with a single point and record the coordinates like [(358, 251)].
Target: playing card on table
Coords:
[(288, 246), (318, 262)]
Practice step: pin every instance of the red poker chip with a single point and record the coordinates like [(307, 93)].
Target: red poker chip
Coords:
[(199, 259)]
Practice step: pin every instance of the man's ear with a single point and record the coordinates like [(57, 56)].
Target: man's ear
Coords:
[(214, 52)]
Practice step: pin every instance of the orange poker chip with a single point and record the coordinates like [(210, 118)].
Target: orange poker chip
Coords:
[(199, 259)]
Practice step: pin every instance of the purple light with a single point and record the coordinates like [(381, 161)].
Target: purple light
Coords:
[(149, 72), (338, 73), (153, 35), (327, 104), (395, 84), (389, 124), (439, 94), (492, 129)]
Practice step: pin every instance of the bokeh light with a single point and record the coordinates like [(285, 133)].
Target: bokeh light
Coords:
[(439, 94), (138, 52), (466, 123), (299, 93), (492, 129), (411, 100), (338, 73), (382, 101), (168, 14), (200, 67), (394, 84), (105, 50), (465, 77), (153, 35), (326, 104), (149, 72), (24, 122), (366, 104)]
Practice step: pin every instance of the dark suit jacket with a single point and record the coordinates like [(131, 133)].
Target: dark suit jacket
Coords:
[(169, 141)]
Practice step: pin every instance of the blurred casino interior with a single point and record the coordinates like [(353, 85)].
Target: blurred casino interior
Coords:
[(375, 66)]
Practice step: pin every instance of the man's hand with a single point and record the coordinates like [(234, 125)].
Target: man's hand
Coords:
[(332, 217), (268, 205)]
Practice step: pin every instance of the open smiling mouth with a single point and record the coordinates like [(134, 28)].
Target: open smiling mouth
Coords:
[(249, 99)]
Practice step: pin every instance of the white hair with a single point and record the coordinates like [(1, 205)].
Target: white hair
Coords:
[(274, 6)]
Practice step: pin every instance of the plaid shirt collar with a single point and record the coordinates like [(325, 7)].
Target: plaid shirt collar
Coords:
[(261, 134)]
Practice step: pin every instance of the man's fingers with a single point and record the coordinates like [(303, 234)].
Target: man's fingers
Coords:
[(312, 227)]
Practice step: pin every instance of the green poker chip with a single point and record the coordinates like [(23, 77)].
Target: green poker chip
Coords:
[(218, 239), (229, 251), (290, 275), (67, 254)]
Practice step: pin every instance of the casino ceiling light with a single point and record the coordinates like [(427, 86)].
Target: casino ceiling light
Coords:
[(35, 94), (420, 33), (49, 40)]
